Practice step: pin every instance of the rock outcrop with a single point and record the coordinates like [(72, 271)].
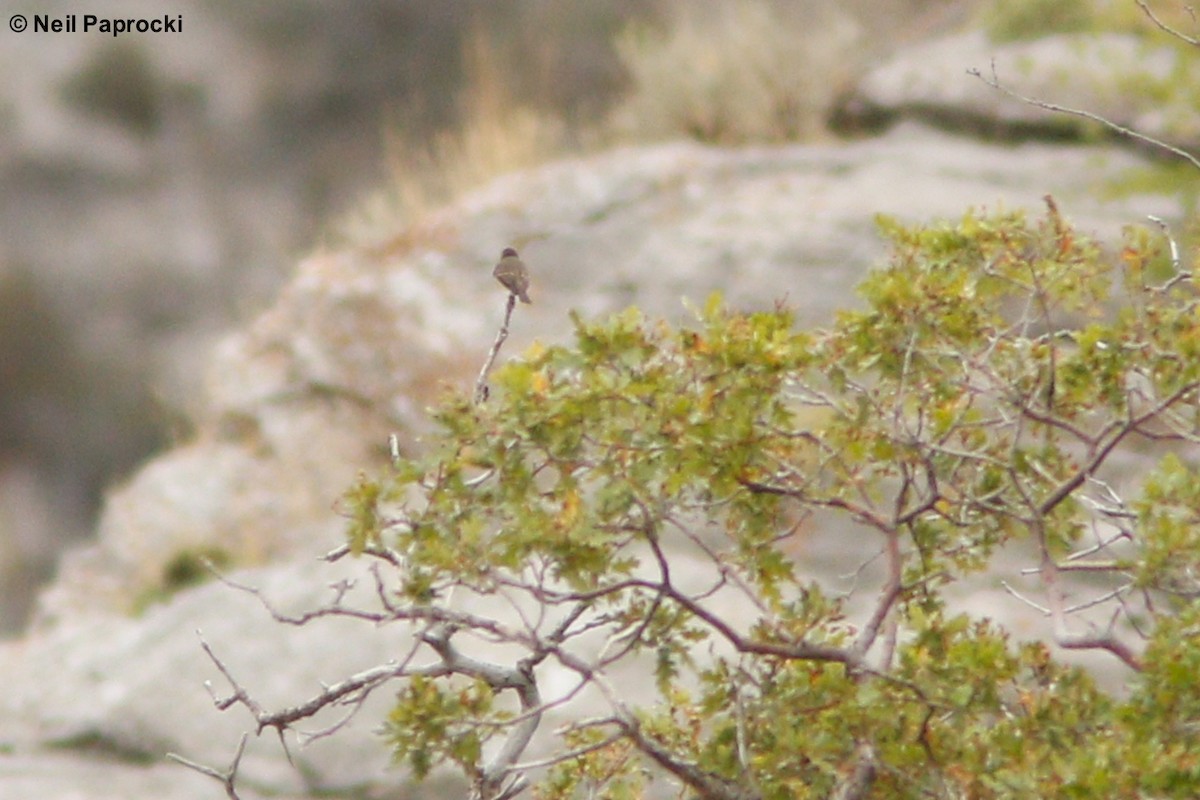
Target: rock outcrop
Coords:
[(1128, 80)]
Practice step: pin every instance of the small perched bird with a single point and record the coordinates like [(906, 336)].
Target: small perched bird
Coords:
[(512, 274)]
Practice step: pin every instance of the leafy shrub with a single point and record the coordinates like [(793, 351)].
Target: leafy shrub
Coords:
[(632, 504)]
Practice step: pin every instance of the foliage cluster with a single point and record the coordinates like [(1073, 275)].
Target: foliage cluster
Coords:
[(621, 522)]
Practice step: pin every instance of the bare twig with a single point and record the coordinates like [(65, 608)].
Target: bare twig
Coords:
[(1040, 608), (887, 598), (481, 387), (1058, 613), (1165, 27), (994, 82), (335, 608), (354, 687), (384, 553), (1100, 600), (227, 777), (1178, 274), (240, 695), (570, 755)]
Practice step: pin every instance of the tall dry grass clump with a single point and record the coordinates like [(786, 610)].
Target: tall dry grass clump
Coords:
[(498, 133), (495, 134), (737, 72)]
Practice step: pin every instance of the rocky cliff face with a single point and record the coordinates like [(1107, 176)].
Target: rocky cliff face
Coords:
[(356, 346)]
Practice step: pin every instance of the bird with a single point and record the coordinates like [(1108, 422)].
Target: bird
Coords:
[(513, 274)]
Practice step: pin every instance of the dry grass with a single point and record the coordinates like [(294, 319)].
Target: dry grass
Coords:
[(496, 134), (731, 72), (737, 72)]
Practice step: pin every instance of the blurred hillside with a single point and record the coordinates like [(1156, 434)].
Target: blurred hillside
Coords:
[(157, 188)]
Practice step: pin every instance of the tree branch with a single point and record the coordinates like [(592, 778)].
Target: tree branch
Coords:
[(1165, 27), (481, 387), (493, 781), (227, 777), (994, 82)]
